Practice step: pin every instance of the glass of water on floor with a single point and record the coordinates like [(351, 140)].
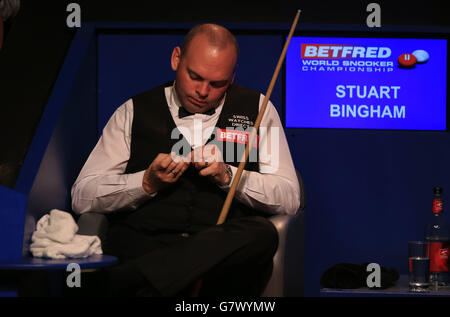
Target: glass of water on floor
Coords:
[(419, 266)]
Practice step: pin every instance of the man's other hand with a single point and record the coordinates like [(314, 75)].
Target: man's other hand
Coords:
[(165, 169), (208, 160)]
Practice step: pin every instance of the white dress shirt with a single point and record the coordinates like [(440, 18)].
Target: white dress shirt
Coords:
[(102, 185)]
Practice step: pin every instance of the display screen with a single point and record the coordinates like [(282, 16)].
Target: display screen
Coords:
[(366, 83)]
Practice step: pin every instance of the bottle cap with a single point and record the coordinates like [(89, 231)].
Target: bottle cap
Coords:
[(437, 190)]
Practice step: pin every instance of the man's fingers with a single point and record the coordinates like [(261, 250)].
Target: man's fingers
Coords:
[(178, 158), (204, 156), (211, 170), (211, 153), (164, 171), (177, 169), (171, 167), (199, 165), (183, 169), (162, 161)]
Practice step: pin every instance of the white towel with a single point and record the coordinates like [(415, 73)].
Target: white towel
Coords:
[(55, 237)]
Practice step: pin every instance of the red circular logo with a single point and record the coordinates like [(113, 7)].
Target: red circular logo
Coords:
[(407, 60)]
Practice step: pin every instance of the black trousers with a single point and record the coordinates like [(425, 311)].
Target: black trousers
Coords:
[(232, 259)]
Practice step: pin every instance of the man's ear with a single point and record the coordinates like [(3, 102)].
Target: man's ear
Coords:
[(176, 58)]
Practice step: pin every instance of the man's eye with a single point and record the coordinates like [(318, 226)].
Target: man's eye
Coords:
[(218, 85), (194, 77)]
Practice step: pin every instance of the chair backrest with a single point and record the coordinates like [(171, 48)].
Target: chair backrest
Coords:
[(288, 265), (302, 192), (295, 248)]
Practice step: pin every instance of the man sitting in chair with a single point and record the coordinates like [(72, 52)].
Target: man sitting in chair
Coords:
[(161, 171)]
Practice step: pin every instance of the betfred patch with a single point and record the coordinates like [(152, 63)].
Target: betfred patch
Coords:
[(236, 136)]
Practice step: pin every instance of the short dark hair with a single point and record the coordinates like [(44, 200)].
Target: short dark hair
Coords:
[(217, 36)]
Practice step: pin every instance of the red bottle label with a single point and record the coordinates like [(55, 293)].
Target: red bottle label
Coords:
[(438, 254), (437, 206)]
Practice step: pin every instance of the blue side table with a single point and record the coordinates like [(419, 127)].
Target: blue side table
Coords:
[(55, 267), (30, 263), (400, 289)]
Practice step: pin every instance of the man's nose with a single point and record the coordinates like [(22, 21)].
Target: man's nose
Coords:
[(203, 90)]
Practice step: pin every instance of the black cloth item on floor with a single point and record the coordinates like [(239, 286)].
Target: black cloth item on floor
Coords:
[(349, 275)]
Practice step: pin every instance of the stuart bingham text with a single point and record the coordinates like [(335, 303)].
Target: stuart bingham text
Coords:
[(368, 110)]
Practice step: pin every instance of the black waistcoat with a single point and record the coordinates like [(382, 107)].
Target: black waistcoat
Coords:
[(194, 202)]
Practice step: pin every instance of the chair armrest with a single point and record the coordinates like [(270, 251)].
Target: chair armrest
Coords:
[(93, 224)]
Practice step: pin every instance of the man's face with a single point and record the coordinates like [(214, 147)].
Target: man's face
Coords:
[(203, 74)]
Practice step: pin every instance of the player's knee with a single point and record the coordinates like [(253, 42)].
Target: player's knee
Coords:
[(264, 235)]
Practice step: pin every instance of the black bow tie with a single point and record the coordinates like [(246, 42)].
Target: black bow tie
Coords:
[(184, 113)]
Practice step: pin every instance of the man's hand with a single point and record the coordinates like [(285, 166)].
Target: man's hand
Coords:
[(165, 169), (208, 160)]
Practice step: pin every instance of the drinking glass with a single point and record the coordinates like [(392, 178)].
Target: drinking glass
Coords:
[(419, 266)]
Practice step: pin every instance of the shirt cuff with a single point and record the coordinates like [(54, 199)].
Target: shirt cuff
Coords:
[(227, 187), (135, 186)]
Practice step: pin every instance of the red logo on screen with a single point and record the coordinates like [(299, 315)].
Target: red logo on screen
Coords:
[(408, 60), (337, 51)]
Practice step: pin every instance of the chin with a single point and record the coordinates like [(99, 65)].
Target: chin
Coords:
[(193, 108), (186, 105)]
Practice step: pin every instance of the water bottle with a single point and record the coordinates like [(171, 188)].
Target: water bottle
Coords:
[(438, 238)]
